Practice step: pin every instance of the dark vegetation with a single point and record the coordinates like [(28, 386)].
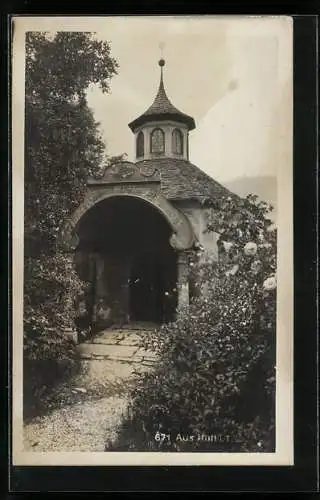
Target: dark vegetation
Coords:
[(63, 148), (215, 379)]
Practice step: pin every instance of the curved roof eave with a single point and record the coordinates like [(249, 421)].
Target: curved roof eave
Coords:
[(178, 117)]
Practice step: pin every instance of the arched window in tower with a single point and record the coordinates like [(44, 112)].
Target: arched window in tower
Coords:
[(157, 141), (177, 142), (140, 145)]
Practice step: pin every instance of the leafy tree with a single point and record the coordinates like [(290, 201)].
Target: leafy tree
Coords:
[(216, 370), (63, 143), (63, 146)]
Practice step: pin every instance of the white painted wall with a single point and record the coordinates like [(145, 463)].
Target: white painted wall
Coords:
[(197, 217)]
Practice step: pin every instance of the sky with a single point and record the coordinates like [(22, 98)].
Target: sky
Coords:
[(233, 75)]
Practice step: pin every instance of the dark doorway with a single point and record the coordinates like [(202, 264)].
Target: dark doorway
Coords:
[(134, 269), (147, 289), (152, 287)]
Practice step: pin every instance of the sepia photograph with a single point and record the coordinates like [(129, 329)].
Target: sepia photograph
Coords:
[(152, 240)]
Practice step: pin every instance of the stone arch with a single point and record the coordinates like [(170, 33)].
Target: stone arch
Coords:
[(182, 237)]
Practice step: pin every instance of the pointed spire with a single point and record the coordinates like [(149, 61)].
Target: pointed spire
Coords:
[(161, 102), (162, 108)]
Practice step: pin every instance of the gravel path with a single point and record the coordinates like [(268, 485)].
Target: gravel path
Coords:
[(92, 404), (84, 426)]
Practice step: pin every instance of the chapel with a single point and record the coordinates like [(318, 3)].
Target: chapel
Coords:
[(132, 236)]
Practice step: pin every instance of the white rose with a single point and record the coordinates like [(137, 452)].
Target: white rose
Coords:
[(271, 228), (256, 266), (250, 248), (266, 245), (233, 271), (227, 245), (270, 283)]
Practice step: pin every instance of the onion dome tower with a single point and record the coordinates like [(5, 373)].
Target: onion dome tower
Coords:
[(162, 130)]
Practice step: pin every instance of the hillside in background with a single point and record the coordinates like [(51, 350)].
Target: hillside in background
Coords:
[(264, 187)]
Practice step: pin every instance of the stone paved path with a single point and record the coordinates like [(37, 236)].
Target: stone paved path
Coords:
[(110, 363), (118, 345)]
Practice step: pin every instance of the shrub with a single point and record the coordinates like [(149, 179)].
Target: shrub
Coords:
[(215, 378), (50, 358)]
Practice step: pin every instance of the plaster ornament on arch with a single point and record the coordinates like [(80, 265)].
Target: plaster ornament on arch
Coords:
[(125, 171)]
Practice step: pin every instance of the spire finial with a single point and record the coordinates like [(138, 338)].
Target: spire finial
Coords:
[(161, 61)]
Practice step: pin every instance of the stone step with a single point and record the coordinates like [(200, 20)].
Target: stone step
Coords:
[(118, 338), (116, 352), (147, 326), (135, 361)]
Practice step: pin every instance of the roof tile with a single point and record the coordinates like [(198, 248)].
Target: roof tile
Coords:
[(162, 108), (181, 180)]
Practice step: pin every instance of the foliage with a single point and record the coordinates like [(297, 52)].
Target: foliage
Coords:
[(63, 147), (63, 142), (215, 379), (46, 289)]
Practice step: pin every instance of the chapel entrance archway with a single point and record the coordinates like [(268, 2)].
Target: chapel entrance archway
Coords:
[(123, 239)]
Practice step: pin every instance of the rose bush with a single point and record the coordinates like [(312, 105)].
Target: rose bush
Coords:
[(216, 370)]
